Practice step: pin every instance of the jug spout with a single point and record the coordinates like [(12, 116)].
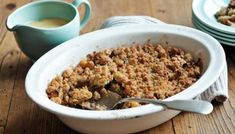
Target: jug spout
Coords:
[(15, 21), (11, 26)]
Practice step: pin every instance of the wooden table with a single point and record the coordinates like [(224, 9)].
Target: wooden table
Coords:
[(18, 114)]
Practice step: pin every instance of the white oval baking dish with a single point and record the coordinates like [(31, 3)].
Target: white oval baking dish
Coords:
[(130, 120)]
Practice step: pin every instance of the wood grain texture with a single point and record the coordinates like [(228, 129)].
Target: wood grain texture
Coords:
[(18, 114), (108, 8), (8, 58), (165, 128), (1, 130), (25, 116), (193, 124), (172, 11), (6, 7), (8, 67)]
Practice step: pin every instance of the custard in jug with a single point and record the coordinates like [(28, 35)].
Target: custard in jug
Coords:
[(48, 23)]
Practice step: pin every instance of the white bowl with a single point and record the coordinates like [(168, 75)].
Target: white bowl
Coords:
[(130, 120)]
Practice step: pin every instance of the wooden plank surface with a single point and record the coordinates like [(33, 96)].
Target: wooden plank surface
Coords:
[(1, 130), (9, 54), (165, 128), (8, 69), (18, 114), (6, 7), (25, 116)]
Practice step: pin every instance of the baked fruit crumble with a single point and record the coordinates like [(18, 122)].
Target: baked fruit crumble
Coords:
[(226, 15), (147, 71)]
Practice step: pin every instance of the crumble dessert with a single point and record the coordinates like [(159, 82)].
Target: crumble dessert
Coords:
[(226, 15), (148, 71)]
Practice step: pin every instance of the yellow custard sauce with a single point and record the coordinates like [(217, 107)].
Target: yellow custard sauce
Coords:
[(48, 23)]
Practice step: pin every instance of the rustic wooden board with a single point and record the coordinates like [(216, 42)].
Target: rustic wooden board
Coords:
[(6, 7), (172, 11), (25, 116), (165, 128), (1, 130), (9, 54), (8, 69)]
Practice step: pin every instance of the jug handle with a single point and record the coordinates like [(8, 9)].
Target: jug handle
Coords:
[(87, 15)]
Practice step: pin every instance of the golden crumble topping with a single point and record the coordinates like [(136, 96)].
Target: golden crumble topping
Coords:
[(148, 71), (226, 15)]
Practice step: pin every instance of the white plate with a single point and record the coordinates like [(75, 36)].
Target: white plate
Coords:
[(205, 11), (226, 43), (212, 34), (221, 40), (214, 31)]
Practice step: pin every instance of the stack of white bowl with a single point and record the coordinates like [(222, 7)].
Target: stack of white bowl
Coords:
[(203, 18)]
